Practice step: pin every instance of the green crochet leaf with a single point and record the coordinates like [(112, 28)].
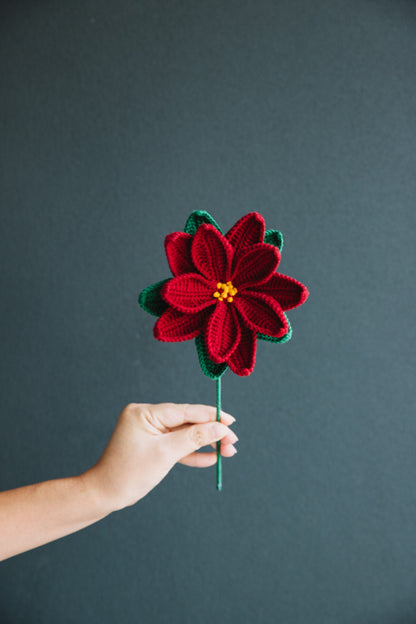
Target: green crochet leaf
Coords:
[(209, 368), (151, 300), (284, 338), (274, 237), (197, 218)]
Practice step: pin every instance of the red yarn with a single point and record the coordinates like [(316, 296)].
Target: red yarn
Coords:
[(230, 326)]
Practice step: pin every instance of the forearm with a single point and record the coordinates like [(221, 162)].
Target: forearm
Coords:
[(36, 514)]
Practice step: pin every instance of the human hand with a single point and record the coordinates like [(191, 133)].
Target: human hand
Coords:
[(148, 441)]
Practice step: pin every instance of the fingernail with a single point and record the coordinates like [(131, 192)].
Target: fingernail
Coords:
[(233, 437), (235, 451), (229, 415)]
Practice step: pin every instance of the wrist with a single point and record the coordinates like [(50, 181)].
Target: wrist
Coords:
[(101, 502)]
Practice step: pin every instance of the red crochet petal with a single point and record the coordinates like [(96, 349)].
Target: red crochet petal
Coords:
[(262, 314), (189, 292), (175, 326), (222, 332), (287, 291), (255, 266), (248, 230), (178, 253), (211, 253), (242, 360)]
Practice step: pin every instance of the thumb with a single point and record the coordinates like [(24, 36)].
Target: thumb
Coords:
[(189, 439)]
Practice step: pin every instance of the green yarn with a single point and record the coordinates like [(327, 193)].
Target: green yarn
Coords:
[(275, 238), (209, 368), (197, 218), (219, 461), (151, 300), (283, 339)]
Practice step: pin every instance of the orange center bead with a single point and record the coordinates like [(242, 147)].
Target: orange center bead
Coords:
[(225, 292)]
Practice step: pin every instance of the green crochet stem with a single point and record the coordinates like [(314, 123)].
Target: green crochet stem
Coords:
[(219, 463)]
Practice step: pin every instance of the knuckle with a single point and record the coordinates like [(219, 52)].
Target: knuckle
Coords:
[(144, 414), (131, 408), (185, 408), (134, 412), (167, 405)]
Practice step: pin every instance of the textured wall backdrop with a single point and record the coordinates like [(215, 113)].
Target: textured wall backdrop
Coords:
[(118, 118)]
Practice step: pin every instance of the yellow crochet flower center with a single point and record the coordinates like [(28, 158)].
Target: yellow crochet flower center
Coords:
[(225, 292)]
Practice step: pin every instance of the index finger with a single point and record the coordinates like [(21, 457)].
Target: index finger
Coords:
[(176, 414)]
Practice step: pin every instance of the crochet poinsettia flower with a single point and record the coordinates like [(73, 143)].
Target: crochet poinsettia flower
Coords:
[(225, 292)]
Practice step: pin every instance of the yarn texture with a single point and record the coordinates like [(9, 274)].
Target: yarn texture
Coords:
[(225, 292)]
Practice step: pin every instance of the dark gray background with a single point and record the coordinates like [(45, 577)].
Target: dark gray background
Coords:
[(117, 120)]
